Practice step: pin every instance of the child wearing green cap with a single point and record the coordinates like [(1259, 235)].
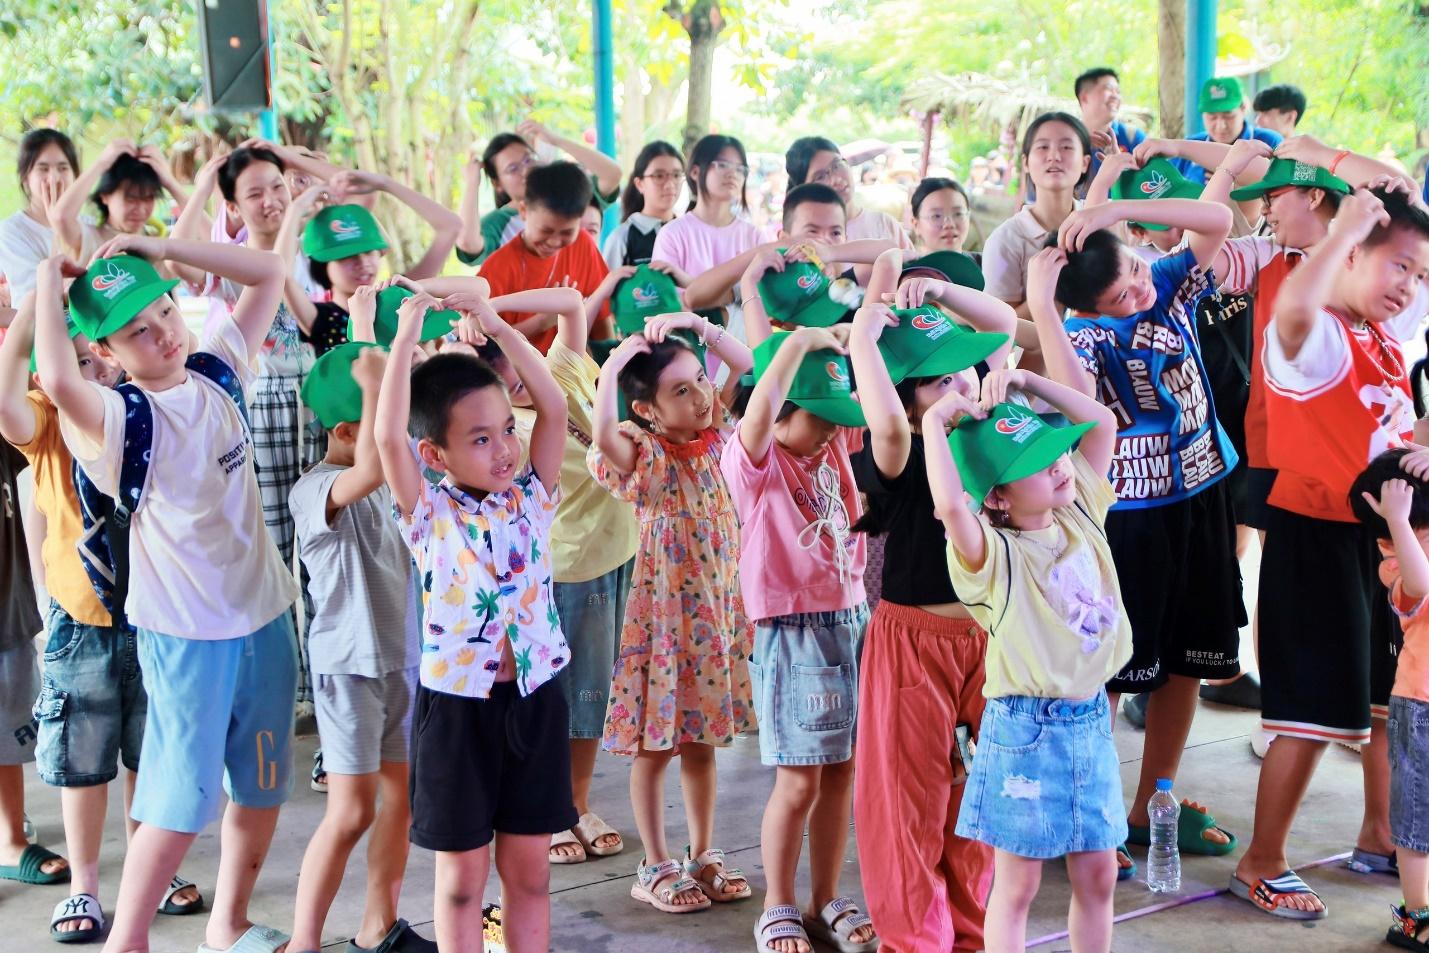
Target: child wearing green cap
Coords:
[(208, 592), (681, 682), (926, 888), (801, 572), (1025, 516), (1223, 113), (363, 652)]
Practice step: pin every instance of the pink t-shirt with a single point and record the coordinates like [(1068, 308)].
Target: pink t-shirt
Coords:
[(796, 551), (695, 247)]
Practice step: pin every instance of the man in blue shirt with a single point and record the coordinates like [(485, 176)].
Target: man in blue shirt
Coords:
[(1223, 111), (1098, 93)]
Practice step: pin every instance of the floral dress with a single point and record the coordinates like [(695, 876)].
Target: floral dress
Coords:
[(682, 673)]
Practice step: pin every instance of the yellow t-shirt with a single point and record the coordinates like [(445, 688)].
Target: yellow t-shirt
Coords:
[(1050, 600), (55, 497)]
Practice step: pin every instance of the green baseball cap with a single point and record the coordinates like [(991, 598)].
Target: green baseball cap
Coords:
[(642, 296), (70, 327), (1288, 172), (802, 294), (341, 231), (928, 343), (329, 388), (951, 266), (1158, 179), (384, 324), (1010, 443), (112, 292), (1221, 95), (822, 385)]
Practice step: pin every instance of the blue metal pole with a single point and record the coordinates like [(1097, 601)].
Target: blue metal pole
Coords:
[(604, 78), (1200, 57), (268, 118)]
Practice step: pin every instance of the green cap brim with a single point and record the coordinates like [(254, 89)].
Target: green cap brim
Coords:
[(128, 305), (844, 411), (1185, 190), (348, 249), (952, 266), (957, 353), (1036, 455), (823, 313)]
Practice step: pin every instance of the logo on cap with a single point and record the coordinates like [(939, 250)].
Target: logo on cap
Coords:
[(645, 296), (112, 280), (1303, 173), (1155, 185), (809, 282), (1019, 428), (927, 322), (1218, 91), (343, 229), (836, 372)]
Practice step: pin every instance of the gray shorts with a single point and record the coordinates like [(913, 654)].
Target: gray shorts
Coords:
[(363, 722), (19, 687)]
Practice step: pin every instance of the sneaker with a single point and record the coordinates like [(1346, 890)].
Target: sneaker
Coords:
[(1244, 692), (1134, 708), (318, 780)]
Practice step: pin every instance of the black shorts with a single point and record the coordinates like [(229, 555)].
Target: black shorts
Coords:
[(1328, 638), (1252, 508), (482, 765), (1181, 586)]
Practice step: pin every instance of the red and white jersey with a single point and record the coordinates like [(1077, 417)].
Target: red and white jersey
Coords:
[(1343, 400)]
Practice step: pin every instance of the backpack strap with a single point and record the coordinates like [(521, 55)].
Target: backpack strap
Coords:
[(218, 370), (103, 546)]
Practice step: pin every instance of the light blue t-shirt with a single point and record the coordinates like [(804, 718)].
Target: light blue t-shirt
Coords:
[(1149, 371), (1198, 175)]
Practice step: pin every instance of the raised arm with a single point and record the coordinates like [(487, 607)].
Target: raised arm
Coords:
[(1058, 355), (445, 223), (890, 437), (17, 419), (64, 213), (193, 223), (1307, 289), (604, 290), (154, 158), (76, 398), (1097, 444), (572, 321), (469, 240), (605, 169), (394, 406), (1207, 224), (1354, 168), (1113, 165), (756, 428), (1204, 153), (619, 450), (285, 246), (358, 481), (964, 531), (765, 259), (1237, 159), (979, 309), (711, 289)]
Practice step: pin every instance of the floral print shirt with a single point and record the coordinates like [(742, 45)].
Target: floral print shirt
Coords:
[(485, 571)]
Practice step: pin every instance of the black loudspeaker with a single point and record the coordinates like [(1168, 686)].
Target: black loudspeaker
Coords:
[(234, 35)]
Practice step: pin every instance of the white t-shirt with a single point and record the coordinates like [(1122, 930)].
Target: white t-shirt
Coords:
[(24, 243), (1008, 250), (202, 565), (364, 605), (872, 223)]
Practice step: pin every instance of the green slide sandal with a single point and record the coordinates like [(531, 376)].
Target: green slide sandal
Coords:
[(1190, 831), (28, 871)]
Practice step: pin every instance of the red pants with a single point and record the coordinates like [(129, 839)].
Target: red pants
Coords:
[(920, 677)]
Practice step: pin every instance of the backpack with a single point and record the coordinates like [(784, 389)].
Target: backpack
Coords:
[(104, 545)]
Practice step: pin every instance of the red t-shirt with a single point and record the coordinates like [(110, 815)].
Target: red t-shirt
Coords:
[(513, 267)]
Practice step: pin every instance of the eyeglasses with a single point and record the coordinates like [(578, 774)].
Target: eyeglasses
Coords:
[(836, 167), (942, 218), (731, 168), (521, 165), (662, 178), (1266, 197)]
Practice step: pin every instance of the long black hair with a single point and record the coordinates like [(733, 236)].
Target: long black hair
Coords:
[(706, 151), (130, 174), (639, 379), (488, 162), (936, 184), (1067, 119), (37, 141), (631, 201), (801, 153)]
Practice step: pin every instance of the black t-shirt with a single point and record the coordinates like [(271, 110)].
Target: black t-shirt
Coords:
[(1225, 327), (19, 615), (915, 554), (329, 327)]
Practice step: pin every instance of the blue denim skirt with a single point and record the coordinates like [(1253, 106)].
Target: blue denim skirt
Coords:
[(1045, 779)]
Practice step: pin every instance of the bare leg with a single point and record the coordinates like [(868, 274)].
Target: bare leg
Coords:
[(351, 806), (1414, 878), (151, 862), (387, 848), (525, 892), (1014, 886), (1168, 723), (12, 819), (460, 885), (1374, 760), (697, 781), (828, 837), (1093, 877), (647, 800), (246, 835), (1284, 777), (83, 810), (781, 838)]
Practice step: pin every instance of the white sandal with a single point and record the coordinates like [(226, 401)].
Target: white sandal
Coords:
[(646, 888), (81, 906), (836, 924), (724, 876), (560, 840), (783, 922), (591, 828)]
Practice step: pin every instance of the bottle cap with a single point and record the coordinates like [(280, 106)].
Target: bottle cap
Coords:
[(1163, 784)]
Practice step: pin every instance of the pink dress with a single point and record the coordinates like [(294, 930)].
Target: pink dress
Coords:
[(682, 673)]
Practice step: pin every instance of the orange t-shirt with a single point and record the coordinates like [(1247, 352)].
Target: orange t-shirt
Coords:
[(513, 267), (1411, 676)]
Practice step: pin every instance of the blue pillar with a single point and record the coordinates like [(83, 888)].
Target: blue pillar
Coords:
[(268, 118), (604, 78), (1200, 56)]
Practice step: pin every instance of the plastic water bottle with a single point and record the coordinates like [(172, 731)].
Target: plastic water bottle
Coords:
[(1163, 860)]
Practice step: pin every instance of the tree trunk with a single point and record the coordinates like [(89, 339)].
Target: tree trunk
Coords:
[(702, 22), (1171, 51)]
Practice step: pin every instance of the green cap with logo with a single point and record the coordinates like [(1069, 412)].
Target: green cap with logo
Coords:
[(341, 231), (642, 296), (1010, 443), (71, 329), (928, 343), (112, 292), (952, 266), (384, 323), (330, 390), (802, 294), (822, 385), (1222, 94), (1288, 172), (1158, 179)]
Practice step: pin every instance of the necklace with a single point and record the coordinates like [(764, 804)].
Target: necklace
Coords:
[(1378, 336), (1056, 547), (525, 276)]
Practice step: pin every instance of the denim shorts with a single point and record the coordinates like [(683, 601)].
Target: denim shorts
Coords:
[(220, 719), (804, 677), (92, 704), (1409, 773), (591, 614), (1045, 780), (19, 684)]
